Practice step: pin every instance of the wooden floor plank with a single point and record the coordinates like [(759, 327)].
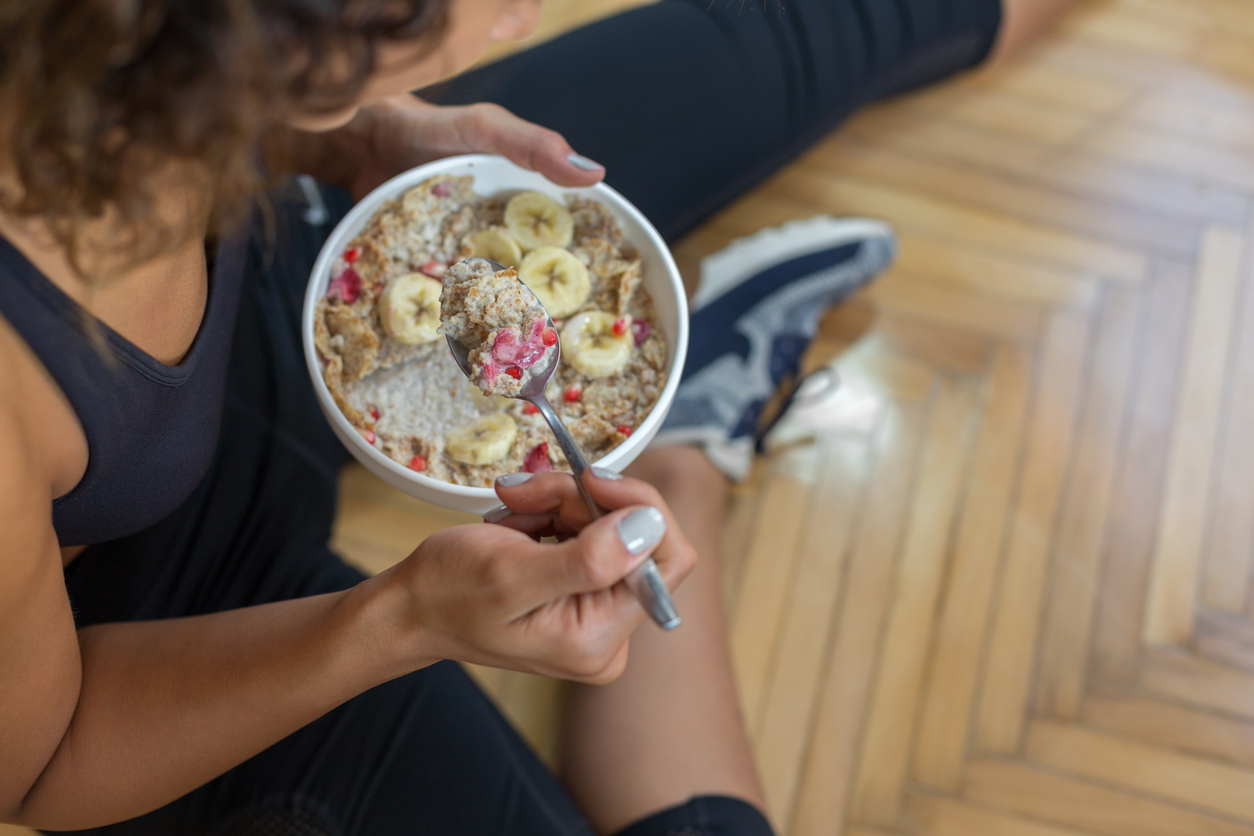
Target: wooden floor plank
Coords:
[(1230, 543), (1142, 460), (945, 348), (1170, 724), (945, 717), (1174, 572), (1075, 802), (1199, 682), (758, 611), (886, 748), (1008, 669), (929, 815), (825, 783), (1225, 638), (907, 297), (1076, 569), (782, 730), (1201, 783)]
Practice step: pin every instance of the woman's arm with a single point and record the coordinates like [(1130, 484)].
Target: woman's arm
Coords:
[(129, 716)]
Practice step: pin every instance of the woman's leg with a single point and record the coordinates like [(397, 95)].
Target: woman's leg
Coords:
[(670, 728), (1024, 20), (689, 103)]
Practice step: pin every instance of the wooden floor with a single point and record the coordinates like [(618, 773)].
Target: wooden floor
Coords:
[(1011, 594)]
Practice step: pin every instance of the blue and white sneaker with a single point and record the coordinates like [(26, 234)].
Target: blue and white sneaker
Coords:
[(756, 310)]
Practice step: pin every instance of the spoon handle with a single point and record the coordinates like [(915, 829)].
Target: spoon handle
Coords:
[(645, 581)]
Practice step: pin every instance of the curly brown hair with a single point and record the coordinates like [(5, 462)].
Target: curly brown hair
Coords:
[(106, 92)]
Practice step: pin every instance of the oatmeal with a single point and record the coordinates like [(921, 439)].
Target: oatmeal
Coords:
[(499, 320), (386, 363)]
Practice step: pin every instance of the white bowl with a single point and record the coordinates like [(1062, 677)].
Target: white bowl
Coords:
[(497, 176)]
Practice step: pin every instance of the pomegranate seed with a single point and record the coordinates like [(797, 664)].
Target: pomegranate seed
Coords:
[(640, 331), (572, 392), (514, 372), (530, 409), (548, 336), (367, 434), (345, 287), (374, 413), (434, 269), (621, 326), (442, 189), (624, 429), (537, 460), (351, 255), (418, 463)]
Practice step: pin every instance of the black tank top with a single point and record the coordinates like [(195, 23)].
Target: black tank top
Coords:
[(151, 428)]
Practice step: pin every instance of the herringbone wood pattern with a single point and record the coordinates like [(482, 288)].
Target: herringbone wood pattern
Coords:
[(1010, 592)]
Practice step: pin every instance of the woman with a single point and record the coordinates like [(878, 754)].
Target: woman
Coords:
[(207, 665)]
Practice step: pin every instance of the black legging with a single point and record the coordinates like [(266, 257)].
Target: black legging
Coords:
[(688, 103), (687, 107)]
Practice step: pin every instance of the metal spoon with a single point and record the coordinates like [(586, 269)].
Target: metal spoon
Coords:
[(645, 581)]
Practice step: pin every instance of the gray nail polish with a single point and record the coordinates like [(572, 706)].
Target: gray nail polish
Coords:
[(580, 161), (497, 514), (642, 529), (512, 480), (605, 473)]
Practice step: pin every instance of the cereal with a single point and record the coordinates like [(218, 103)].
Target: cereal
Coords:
[(411, 397)]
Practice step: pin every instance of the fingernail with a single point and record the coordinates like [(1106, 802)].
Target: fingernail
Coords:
[(642, 529), (605, 473), (580, 161), (512, 480), (497, 514)]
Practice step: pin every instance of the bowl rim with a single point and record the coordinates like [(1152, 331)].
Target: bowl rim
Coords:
[(365, 208)]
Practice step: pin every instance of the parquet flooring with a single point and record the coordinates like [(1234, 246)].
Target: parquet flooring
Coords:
[(1011, 593)]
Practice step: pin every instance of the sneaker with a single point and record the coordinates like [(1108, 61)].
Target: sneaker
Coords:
[(756, 310)]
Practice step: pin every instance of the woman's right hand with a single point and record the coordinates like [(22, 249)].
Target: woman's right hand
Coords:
[(491, 595)]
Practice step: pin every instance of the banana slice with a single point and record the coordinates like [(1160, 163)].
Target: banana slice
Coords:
[(537, 220), (557, 278), (594, 347), (496, 244), (409, 308), (484, 441)]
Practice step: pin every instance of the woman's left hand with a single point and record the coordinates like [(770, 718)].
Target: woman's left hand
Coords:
[(401, 132)]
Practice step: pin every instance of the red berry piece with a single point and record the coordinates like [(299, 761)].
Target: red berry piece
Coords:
[(640, 331), (537, 460), (572, 393), (346, 287), (489, 372), (418, 463), (514, 372), (434, 269), (621, 326), (624, 429), (530, 409), (442, 189), (367, 434), (352, 254), (548, 336), (374, 412)]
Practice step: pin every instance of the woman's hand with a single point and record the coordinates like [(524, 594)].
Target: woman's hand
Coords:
[(401, 132), (493, 595)]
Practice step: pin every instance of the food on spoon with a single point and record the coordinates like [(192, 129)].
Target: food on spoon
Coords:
[(595, 345), (503, 327), (409, 309), (558, 279), (496, 244), (484, 441), (414, 401), (536, 220)]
